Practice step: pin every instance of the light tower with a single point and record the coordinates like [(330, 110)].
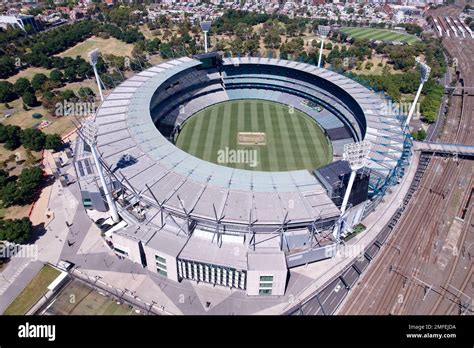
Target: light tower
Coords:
[(356, 154), (323, 31), (424, 75), (93, 57), (89, 133), (205, 26)]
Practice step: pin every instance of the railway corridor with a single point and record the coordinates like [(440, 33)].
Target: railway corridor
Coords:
[(420, 268), (426, 265)]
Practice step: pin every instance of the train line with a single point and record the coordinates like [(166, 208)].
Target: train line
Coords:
[(425, 266)]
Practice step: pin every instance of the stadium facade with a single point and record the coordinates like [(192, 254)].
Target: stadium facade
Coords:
[(191, 219)]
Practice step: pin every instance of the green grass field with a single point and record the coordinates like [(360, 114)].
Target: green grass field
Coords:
[(77, 298), (379, 34), (33, 291), (106, 46), (292, 140)]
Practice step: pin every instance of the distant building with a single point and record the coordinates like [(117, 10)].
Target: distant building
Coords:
[(20, 22)]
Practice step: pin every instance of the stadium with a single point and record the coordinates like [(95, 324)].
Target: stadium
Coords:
[(229, 171)]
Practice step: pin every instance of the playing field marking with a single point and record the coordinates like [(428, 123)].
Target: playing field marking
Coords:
[(251, 138), (211, 133)]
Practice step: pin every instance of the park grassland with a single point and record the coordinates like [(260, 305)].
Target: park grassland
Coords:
[(379, 34), (293, 140), (106, 46), (33, 292)]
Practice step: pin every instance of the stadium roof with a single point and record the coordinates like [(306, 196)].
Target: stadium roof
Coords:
[(125, 126)]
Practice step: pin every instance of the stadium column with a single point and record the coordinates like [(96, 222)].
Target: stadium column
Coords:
[(348, 191), (89, 133), (107, 193), (321, 53)]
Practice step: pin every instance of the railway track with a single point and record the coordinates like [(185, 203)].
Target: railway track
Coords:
[(392, 270), (426, 266)]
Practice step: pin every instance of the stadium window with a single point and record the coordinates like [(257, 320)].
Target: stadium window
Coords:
[(120, 251), (162, 272), (161, 265), (266, 278), (266, 285), (160, 259)]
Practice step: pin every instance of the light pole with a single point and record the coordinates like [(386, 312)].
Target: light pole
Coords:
[(205, 27), (424, 75), (356, 154), (89, 132), (93, 57), (323, 31)]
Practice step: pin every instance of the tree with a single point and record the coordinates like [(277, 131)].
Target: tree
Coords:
[(68, 95), (10, 135), (7, 93), (7, 67), (70, 74), (291, 29), (53, 142), (29, 99), (22, 85), (37, 81), (9, 194), (16, 231), (30, 159), (56, 75), (3, 178), (50, 85), (33, 139), (272, 39), (419, 135), (28, 183)]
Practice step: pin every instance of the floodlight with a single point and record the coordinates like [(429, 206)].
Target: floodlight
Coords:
[(323, 30), (356, 154), (93, 56), (206, 26)]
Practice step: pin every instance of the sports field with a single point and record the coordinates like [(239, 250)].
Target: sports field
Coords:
[(77, 298), (255, 135), (379, 34)]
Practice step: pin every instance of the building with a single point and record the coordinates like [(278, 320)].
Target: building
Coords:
[(192, 220), (20, 21)]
